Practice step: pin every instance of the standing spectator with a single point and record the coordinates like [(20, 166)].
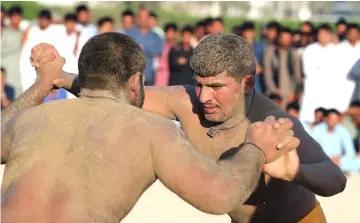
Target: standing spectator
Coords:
[(87, 30), (153, 21), (44, 32), (336, 142), (319, 63), (282, 70), (272, 31), (199, 33), (248, 32), (149, 41), (341, 28), (163, 72), (105, 24), (307, 27), (11, 48), (181, 72), (7, 91), (127, 21), (349, 50)]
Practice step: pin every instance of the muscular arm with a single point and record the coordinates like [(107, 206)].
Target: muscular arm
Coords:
[(212, 187), (35, 95), (317, 172)]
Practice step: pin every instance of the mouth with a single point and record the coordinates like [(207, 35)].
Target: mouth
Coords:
[(209, 110)]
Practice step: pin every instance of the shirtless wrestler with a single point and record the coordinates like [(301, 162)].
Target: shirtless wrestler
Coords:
[(212, 116), (81, 160)]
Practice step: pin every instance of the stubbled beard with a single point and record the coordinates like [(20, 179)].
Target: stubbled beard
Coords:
[(140, 98)]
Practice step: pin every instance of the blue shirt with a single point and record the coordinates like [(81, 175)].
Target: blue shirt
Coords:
[(59, 94), (152, 45), (334, 143)]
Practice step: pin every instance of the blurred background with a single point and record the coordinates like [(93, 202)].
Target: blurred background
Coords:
[(307, 54)]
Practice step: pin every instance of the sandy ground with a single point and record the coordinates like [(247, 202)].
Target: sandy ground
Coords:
[(160, 205)]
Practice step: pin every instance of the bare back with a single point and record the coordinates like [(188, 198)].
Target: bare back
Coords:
[(79, 157)]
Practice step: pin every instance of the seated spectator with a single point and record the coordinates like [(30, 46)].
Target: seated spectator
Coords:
[(319, 116), (105, 25), (7, 91), (351, 121), (294, 110), (336, 142)]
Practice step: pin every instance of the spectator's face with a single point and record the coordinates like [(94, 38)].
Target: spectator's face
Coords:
[(217, 27), (272, 34), (293, 112), (332, 120), (324, 36), (353, 35), (127, 21), (249, 35), (171, 34), (70, 25), (15, 19), (152, 21), (341, 29), (106, 27), (200, 32), (319, 115), (83, 17), (186, 37), (44, 23), (219, 96), (305, 28), (143, 19), (285, 39), (296, 38)]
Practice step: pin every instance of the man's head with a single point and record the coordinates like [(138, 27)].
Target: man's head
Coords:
[(186, 34), (307, 27), (200, 30), (15, 14), (208, 25), (293, 109), (217, 25), (105, 24), (276, 99), (285, 38), (153, 19), (324, 34), (341, 27), (319, 115), (143, 18), (83, 14), (272, 31), (70, 22), (248, 31), (127, 19), (45, 18), (296, 38), (224, 66), (332, 118), (353, 32), (115, 62), (171, 32)]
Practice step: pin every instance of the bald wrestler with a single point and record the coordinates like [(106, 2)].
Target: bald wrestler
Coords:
[(81, 160), (215, 114)]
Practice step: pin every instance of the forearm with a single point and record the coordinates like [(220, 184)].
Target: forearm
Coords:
[(243, 165), (71, 83), (35, 95), (324, 179)]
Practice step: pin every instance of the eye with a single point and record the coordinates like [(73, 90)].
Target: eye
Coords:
[(216, 87)]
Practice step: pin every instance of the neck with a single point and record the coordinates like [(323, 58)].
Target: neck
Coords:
[(68, 32), (143, 30), (330, 129), (323, 44), (353, 42), (119, 96), (15, 26)]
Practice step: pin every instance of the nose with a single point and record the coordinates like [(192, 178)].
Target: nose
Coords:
[(205, 94)]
